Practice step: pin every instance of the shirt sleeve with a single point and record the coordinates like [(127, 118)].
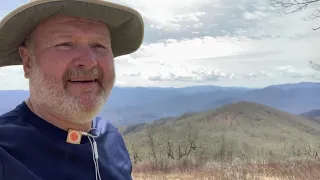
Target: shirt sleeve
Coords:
[(1, 166)]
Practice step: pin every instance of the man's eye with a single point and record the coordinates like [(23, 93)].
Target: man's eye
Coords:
[(66, 44), (98, 46)]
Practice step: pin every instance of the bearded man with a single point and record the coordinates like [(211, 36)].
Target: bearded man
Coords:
[(67, 50)]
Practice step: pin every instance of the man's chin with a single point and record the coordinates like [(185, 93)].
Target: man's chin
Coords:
[(87, 102), (83, 114), (92, 103)]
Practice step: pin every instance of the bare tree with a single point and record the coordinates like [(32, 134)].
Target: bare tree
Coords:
[(134, 151), (170, 151), (168, 141), (189, 142), (314, 65), (151, 131), (293, 6)]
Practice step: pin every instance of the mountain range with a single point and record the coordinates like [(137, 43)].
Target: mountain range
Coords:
[(238, 130), (132, 105), (312, 115)]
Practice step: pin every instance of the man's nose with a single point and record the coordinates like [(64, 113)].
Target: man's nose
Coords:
[(86, 58)]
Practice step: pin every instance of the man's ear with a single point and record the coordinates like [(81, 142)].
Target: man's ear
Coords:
[(26, 60)]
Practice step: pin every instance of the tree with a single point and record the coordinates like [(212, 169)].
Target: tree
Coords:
[(134, 151), (188, 143), (293, 6), (314, 66), (151, 132)]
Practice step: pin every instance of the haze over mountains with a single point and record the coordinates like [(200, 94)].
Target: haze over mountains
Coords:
[(132, 105)]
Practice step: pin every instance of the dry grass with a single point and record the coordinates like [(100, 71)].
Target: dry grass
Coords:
[(190, 176), (293, 170)]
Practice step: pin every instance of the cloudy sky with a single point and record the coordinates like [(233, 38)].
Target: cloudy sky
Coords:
[(210, 42)]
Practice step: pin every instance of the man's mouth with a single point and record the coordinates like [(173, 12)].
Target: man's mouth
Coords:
[(83, 80)]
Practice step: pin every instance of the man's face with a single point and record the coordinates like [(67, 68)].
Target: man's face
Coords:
[(71, 67)]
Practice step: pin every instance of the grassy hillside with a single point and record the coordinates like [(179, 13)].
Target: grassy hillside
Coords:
[(243, 130)]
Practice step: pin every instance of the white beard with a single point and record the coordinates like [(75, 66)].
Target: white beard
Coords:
[(47, 91)]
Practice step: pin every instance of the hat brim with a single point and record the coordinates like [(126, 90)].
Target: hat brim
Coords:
[(126, 24)]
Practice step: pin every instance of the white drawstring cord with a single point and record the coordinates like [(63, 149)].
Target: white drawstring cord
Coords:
[(95, 155)]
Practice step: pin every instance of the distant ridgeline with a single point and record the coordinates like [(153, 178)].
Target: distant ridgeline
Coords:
[(132, 105)]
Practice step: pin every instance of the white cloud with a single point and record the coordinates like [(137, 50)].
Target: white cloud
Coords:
[(258, 74), (229, 42), (12, 78), (204, 47), (132, 74), (175, 22), (165, 13), (256, 15), (295, 73), (189, 74), (190, 16)]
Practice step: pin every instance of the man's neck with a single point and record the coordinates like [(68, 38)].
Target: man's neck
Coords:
[(55, 120)]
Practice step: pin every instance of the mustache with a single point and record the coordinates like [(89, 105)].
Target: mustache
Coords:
[(94, 72)]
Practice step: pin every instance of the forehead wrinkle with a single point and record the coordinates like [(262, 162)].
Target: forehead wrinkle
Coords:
[(69, 33), (71, 36), (77, 24)]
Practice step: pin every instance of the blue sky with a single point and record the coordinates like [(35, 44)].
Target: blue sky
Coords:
[(218, 42)]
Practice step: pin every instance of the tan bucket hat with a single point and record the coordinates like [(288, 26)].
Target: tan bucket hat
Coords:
[(126, 24)]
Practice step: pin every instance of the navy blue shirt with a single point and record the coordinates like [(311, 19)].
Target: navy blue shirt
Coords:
[(33, 149)]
